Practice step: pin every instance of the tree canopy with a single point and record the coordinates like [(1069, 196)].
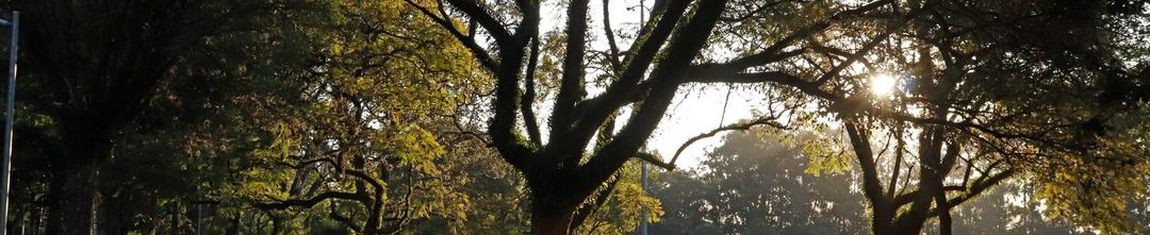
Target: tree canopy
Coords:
[(465, 116)]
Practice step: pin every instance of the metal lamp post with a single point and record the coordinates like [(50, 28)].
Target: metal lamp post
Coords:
[(643, 166), (643, 223), (7, 165)]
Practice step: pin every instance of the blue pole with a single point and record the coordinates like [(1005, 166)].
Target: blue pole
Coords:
[(6, 181)]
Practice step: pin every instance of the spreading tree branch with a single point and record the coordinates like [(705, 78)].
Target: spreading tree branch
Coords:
[(772, 52), (307, 203), (477, 51), (732, 127), (654, 160)]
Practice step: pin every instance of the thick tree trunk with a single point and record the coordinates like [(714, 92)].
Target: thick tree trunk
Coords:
[(903, 225), (553, 203), (912, 221), (112, 215), (914, 226), (175, 228), (885, 219), (73, 190), (551, 221), (882, 221), (72, 203)]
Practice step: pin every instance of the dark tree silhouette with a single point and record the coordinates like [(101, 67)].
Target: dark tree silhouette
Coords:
[(560, 171)]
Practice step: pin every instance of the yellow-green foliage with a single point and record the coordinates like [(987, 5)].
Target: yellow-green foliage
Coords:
[(825, 157), (375, 100), (622, 212), (1095, 189)]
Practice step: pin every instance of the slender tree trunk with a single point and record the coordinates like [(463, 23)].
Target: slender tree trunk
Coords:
[(276, 225), (374, 224), (234, 229), (37, 219), (175, 219)]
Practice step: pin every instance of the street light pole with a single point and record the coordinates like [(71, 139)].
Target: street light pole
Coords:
[(643, 168), (643, 223), (7, 168)]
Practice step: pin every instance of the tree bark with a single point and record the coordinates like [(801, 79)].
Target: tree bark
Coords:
[(913, 225), (882, 220), (72, 203), (73, 191), (551, 221), (111, 216), (554, 199)]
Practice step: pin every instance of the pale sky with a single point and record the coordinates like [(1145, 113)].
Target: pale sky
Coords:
[(695, 110)]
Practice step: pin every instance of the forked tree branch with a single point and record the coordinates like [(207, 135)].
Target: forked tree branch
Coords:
[(477, 12), (908, 197), (593, 112), (977, 189), (860, 141), (571, 87), (682, 49)]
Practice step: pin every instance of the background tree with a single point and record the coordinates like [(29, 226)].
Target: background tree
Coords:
[(757, 182), (737, 190)]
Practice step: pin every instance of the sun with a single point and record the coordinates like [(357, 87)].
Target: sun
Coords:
[(882, 85)]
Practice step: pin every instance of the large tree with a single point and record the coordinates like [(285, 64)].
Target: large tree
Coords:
[(363, 142), (92, 68), (983, 94), (561, 166), (94, 84)]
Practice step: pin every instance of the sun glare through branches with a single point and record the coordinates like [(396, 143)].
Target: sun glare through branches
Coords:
[(883, 85)]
